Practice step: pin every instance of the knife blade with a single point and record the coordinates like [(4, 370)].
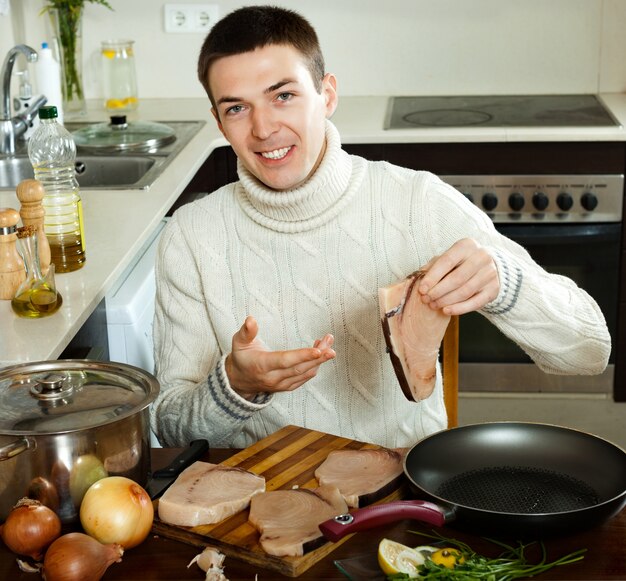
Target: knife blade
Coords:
[(161, 479)]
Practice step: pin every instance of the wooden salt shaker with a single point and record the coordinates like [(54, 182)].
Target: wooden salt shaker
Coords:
[(30, 193), (12, 270)]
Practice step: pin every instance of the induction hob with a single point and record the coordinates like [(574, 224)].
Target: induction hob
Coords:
[(498, 111)]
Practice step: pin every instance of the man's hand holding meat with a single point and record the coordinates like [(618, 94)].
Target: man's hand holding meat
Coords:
[(461, 280)]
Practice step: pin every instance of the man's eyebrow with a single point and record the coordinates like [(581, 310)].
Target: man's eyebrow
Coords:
[(228, 100), (278, 85), (270, 89)]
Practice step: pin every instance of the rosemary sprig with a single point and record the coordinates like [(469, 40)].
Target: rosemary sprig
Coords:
[(512, 564)]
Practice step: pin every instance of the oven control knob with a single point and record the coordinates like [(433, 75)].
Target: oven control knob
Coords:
[(469, 197), (516, 201), (540, 201), (490, 201), (564, 201), (589, 201)]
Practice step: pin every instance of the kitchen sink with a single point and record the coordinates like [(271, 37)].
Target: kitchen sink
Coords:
[(92, 171), (107, 171)]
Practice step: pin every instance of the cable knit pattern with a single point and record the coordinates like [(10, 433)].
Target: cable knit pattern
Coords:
[(309, 262)]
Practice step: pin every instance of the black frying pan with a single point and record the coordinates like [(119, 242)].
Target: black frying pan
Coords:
[(506, 477)]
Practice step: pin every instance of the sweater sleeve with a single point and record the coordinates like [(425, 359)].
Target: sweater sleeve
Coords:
[(195, 399), (558, 324)]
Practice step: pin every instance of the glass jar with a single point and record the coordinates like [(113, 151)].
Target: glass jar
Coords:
[(119, 76)]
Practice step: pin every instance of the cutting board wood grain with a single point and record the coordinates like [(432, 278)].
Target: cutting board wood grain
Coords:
[(285, 459)]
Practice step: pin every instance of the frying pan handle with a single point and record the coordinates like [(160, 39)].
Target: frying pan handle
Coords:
[(380, 514)]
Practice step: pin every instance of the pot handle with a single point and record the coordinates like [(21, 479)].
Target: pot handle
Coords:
[(16, 447), (372, 516)]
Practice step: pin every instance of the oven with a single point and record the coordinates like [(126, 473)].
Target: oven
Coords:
[(570, 225)]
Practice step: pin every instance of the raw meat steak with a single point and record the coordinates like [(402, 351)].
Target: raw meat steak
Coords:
[(207, 493), (362, 476), (413, 333), (288, 520)]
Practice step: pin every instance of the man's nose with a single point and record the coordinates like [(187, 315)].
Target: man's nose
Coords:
[(263, 123)]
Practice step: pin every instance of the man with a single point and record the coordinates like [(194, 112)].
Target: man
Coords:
[(267, 308)]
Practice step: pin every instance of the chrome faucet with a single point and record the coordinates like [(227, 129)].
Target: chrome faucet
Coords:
[(12, 128)]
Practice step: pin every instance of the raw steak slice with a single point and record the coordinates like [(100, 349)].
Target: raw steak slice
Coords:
[(288, 520), (362, 476), (413, 333), (207, 493)]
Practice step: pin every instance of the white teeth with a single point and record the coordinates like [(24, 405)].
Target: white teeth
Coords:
[(276, 154)]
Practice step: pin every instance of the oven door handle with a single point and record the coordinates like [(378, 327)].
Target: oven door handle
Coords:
[(561, 234)]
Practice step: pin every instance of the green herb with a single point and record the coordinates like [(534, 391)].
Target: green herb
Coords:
[(69, 13), (512, 564)]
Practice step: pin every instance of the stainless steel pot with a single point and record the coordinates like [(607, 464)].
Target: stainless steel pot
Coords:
[(65, 424)]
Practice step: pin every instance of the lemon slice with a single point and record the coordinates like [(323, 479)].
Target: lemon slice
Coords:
[(408, 561), (394, 557)]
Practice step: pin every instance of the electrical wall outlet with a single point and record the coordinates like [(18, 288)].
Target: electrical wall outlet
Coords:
[(188, 18)]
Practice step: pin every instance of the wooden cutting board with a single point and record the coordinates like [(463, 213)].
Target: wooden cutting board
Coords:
[(285, 459)]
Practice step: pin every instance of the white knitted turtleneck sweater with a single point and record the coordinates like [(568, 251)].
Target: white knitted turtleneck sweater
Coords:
[(309, 262)]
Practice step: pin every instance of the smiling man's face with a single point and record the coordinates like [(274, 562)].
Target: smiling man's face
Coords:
[(269, 111)]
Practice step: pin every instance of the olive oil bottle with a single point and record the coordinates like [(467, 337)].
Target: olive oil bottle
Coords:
[(52, 153), (37, 296)]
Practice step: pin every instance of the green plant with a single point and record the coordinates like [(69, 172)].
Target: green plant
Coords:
[(68, 13)]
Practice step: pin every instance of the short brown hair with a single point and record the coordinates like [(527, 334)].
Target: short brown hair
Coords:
[(252, 27)]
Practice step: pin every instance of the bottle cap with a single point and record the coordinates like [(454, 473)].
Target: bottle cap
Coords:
[(48, 112)]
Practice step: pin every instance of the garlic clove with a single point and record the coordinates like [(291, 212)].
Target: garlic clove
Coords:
[(211, 562), (209, 558), (26, 567)]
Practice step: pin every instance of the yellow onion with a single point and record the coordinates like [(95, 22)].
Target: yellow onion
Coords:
[(78, 557), (30, 528), (117, 510)]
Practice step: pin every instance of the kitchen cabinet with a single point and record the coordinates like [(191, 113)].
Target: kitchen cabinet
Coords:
[(91, 341), (219, 169)]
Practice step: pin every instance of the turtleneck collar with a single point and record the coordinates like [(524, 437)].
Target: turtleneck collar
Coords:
[(309, 206)]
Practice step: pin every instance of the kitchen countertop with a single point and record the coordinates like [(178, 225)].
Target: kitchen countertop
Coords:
[(161, 558), (118, 222)]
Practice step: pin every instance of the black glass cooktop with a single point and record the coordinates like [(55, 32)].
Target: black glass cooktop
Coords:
[(498, 111)]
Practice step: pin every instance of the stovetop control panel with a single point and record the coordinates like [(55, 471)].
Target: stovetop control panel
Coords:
[(544, 198)]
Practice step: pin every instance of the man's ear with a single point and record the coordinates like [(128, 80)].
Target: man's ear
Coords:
[(217, 120), (329, 92)]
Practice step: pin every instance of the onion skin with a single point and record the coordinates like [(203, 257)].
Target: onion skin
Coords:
[(30, 527), (117, 510), (78, 557)]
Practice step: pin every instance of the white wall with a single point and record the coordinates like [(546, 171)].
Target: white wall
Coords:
[(385, 47)]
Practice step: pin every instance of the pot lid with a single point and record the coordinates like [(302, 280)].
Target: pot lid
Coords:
[(121, 135), (68, 395)]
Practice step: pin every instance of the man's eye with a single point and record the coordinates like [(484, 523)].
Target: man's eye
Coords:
[(234, 109), (284, 96)]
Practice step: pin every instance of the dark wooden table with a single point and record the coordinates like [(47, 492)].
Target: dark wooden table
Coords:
[(160, 558)]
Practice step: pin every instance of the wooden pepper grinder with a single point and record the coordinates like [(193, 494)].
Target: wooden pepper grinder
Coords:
[(30, 193), (12, 270)]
